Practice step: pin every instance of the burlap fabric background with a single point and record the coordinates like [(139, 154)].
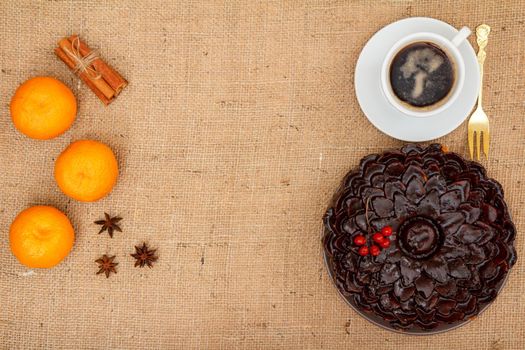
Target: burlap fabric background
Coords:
[(239, 121)]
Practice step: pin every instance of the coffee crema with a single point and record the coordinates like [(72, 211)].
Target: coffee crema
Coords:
[(422, 75)]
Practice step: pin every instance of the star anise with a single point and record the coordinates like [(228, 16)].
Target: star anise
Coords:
[(144, 256), (110, 224), (106, 265)]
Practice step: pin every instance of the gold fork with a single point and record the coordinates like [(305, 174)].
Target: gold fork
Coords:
[(478, 123)]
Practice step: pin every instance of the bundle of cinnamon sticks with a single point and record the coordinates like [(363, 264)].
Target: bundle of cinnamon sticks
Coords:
[(99, 76)]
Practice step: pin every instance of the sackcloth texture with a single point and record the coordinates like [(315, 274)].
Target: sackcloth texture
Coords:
[(238, 124)]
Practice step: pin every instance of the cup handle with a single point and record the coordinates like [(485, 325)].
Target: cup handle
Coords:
[(461, 36)]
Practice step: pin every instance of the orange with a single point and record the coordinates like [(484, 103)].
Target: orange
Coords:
[(41, 236), (86, 170), (43, 108)]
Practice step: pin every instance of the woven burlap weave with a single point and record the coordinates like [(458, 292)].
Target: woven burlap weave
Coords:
[(239, 121)]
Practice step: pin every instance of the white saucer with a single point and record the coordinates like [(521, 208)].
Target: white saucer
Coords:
[(377, 108)]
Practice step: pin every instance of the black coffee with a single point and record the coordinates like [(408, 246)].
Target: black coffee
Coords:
[(421, 74)]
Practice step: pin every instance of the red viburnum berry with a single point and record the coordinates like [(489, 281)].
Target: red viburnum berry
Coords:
[(377, 237), (374, 250), (359, 240), (363, 251), (386, 231), (385, 243)]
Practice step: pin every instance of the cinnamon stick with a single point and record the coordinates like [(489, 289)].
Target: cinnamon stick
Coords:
[(100, 83), (111, 76), (71, 64)]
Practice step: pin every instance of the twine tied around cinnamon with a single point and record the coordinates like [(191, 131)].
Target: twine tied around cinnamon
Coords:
[(86, 63), (83, 63)]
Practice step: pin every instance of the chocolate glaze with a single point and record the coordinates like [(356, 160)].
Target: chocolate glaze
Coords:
[(420, 237), (452, 246)]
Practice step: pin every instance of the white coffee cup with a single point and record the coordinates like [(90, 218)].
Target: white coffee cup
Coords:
[(450, 46)]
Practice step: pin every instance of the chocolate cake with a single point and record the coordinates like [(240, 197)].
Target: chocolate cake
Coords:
[(419, 239)]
